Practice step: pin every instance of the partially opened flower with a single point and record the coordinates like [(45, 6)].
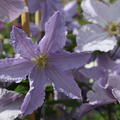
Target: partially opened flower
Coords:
[(47, 8), (102, 34), (11, 9), (45, 63), (99, 96)]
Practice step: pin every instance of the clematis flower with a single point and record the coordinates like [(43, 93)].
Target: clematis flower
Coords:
[(11, 9), (99, 96), (102, 34), (45, 63), (47, 8), (10, 103)]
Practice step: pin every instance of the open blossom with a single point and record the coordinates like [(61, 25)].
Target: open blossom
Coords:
[(45, 63), (102, 34), (46, 7), (11, 9)]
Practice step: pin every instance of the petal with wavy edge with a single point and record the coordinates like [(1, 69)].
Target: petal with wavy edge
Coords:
[(64, 82), (54, 38), (11, 9), (36, 94), (23, 44), (14, 69)]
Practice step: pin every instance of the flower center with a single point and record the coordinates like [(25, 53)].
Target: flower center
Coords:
[(113, 28), (41, 61)]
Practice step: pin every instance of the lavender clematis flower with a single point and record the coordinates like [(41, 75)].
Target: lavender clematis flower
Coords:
[(47, 8), (99, 96), (11, 9), (45, 63), (102, 34), (96, 99), (10, 103)]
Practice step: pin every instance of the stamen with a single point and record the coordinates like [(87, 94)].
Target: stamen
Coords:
[(41, 61), (113, 28)]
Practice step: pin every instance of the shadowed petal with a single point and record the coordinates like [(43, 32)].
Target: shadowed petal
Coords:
[(12, 69), (99, 95), (70, 10), (85, 108), (54, 38), (67, 60), (64, 82), (96, 73), (34, 5), (35, 31), (11, 9), (10, 103), (35, 96), (106, 62), (23, 44), (48, 8), (96, 98)]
